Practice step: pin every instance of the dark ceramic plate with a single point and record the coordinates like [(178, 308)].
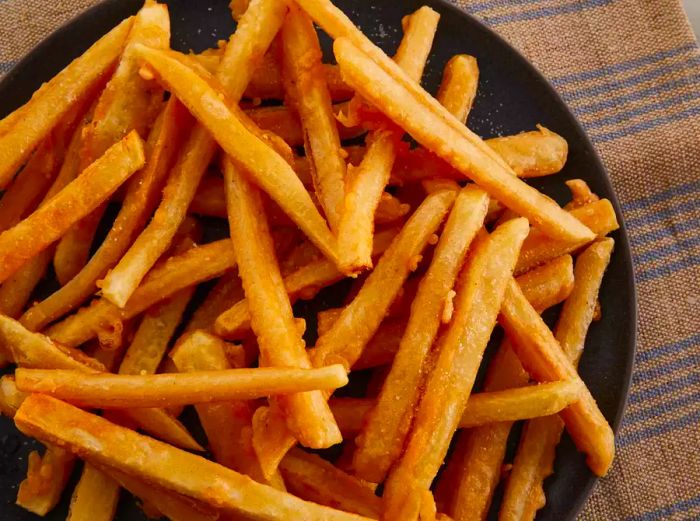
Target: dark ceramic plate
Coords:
[(512, 97)]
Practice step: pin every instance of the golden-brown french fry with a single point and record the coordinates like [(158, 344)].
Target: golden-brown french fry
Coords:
[(46, 108), (47, 476), (453, 142), (163, 425), (255, 31), (303, 283), (227, 289), (47, 418), (460, 79), (280, 341), (314, 479), (238, 7), (533, 461), (360, 319), (548, 284), (226, 424), (366, 185), (111, 391), (48, 223), (10, 397), (271, 437), (307, 92), (141, 198), (381, 440), (581, 194), (538, 248), (95, 496), (128, 102), (532, 154), (180, 271), (543, 358), (175, 507), (480, 293)]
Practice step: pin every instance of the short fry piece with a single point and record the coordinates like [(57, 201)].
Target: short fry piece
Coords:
[(458, 87), (47, 418), (271, 437), (548, 284), (382, 437), (111, 391), (95, 496), (46, 478), (480, 293), (532, 154), (312, 478), (49, 104), (35, 233), (10, 397)]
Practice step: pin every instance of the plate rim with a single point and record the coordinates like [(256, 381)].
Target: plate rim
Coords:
[(623, 246)]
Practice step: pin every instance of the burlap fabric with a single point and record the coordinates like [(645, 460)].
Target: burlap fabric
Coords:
[(630, 70)]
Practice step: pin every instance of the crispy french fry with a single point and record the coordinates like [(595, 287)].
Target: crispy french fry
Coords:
[(360, 319), (532, 154), (314, 479), (175, 507), (75, 83), (367, 182), (238, 7), (227, 424), (95, 496), (581, 194), (453, 142), (460, 79), (543, 358), (228, 288), (480, 292), (548, 284), (250, 41), (128, 102), (533, 461), (180, 271), (111, 391), (161, 424), (381, 440), (47, 476), (10, 397), (599, 216), (271, 438), (303, 283), (47, 418), (141, 198), (281, 345), (48, 223), (307, 92)]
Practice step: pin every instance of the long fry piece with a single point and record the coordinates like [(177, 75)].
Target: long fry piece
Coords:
[(254, 34), (367, 182), (533, 462), (47, 418), (308, 416), (307, 92), (35, 233), (480, 292), (469, 156), (382, 437), (49, 104)]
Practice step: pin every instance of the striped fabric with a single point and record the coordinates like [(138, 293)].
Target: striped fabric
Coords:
[(630, 70)]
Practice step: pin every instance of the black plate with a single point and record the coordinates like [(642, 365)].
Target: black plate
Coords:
[(512, 97)]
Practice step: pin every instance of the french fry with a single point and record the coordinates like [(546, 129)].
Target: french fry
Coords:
[(161, 424), (366, 185), (271, 438), (312, 478), (128, 102), (111, 391), (250, 41), (227, 424), (581, 194), (46, 108), (457, 91), (532, 154), (480, 292), (125, 450), (381, 440), (453, 142), (360, 319), (47, 476), (238, 8), (538, 248), (543, 358), (533, 461), (383, 346), (307, 92), (95, 496), (180, 271), (10, 397), (141, 198), (548, 284), (303, 282), (228, 288), (48, 223), (308, 416)]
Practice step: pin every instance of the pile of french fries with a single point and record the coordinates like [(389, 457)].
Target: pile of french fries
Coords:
[(310, 164)]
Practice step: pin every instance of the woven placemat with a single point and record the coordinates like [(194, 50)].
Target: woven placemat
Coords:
[(630, 70)]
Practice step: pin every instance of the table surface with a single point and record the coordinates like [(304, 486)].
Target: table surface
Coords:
[(692, 7)]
